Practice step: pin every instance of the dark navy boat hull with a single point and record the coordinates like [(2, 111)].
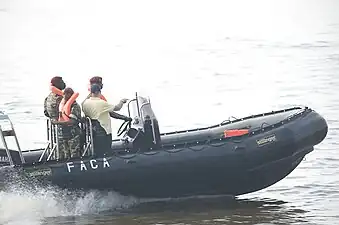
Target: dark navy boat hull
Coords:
[(197, 162)]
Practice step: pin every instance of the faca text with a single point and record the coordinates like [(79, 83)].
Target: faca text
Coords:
[(92, 164)]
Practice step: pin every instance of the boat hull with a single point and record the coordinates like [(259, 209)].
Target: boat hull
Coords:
[(228, 166)]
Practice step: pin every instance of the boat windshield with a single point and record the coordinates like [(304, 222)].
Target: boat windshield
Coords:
[(145, 108), (141, 108)]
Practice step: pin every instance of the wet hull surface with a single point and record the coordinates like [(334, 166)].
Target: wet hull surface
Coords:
[(226, 166)]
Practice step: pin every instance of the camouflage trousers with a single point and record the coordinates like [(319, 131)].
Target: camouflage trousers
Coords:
[(69, 148)]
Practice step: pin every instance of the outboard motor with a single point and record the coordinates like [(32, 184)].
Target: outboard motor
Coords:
[(144, 131)]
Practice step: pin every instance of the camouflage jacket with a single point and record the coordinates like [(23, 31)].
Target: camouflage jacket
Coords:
[(51, 105)]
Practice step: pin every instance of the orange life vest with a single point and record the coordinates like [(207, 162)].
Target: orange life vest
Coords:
[(65, 107), (103, 97), (56, 90)]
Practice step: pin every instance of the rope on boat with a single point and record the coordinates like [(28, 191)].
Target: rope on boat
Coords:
[(229, 121)]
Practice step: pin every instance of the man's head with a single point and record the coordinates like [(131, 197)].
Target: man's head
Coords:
[(68, 92), (95, 90), (96, 80), (58, 83)]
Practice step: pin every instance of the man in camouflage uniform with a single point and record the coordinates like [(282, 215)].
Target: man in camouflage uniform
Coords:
[(70, 132), (52, 101)]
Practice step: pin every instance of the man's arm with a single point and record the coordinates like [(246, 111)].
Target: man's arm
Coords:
[(57, 101), (75, 112), (120, 117), (117, 107), (82, 103), (45, 108)]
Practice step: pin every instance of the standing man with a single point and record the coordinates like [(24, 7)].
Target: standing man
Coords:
[(69, 131), (98, 111), (52, 101), (98, 80)]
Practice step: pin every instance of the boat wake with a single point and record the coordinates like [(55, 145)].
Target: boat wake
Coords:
[(24, 201)]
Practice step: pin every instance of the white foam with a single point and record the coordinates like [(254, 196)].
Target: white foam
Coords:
[(20, 204)]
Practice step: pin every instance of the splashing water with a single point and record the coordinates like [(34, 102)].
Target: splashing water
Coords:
[(26, 202)]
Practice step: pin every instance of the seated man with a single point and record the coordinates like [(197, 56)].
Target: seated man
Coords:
[(52, 101), (98, 111), (69, 131)]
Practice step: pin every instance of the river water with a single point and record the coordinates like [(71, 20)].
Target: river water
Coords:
[(200, 62)]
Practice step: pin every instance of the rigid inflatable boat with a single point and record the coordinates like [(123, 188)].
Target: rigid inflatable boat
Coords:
[(235, 157)]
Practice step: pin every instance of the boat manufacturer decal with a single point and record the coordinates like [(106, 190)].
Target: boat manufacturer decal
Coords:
[(39, 172), (267, 140), (92, 164)]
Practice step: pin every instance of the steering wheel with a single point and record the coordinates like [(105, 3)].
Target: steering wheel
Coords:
[(127, 122), (123, 128)]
